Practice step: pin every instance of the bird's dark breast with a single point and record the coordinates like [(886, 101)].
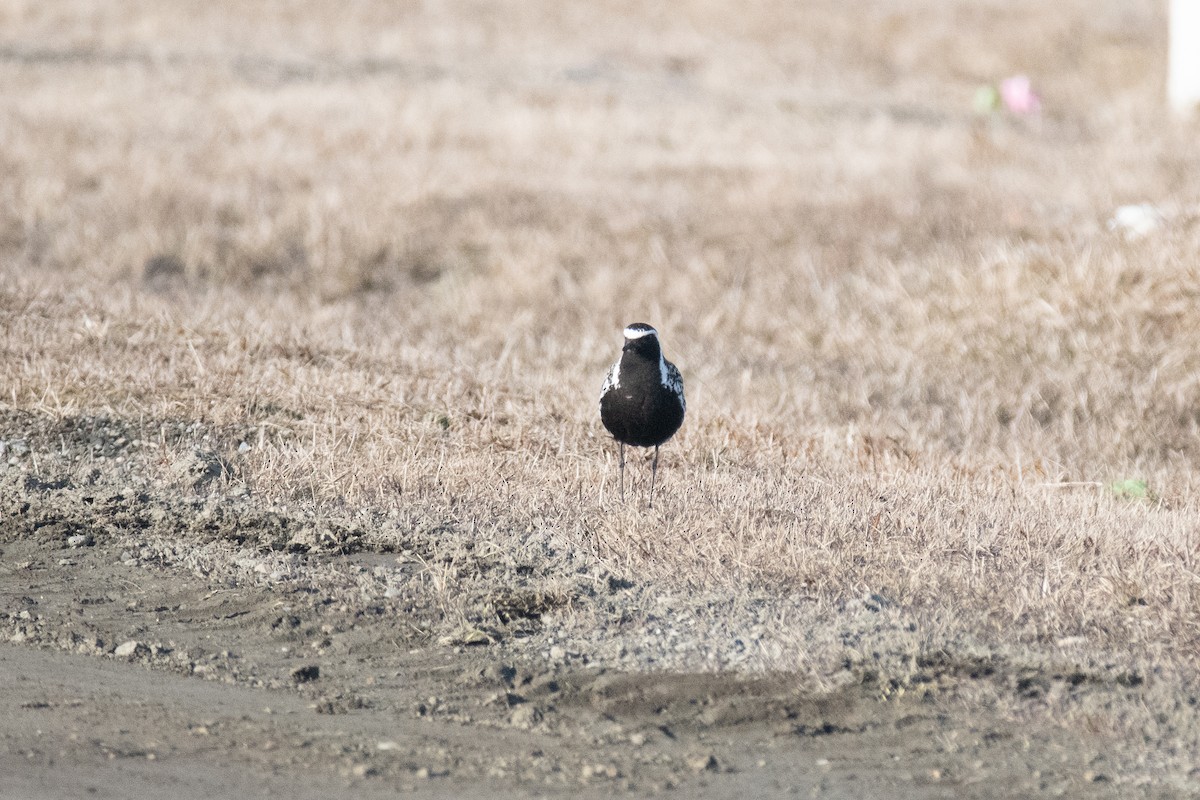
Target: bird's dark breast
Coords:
[(641, 411)]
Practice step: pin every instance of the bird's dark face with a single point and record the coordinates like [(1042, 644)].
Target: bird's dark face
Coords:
[(642, 339)]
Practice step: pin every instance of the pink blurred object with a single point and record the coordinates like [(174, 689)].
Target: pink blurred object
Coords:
[(1018, 95)]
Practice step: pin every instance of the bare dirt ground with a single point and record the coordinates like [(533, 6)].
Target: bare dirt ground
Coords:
[(304, 308)]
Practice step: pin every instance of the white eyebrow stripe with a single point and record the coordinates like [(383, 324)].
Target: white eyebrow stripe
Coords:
[(638, 333)]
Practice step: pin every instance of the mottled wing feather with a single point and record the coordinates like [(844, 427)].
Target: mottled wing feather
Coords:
[(673, 381), (612, 380)]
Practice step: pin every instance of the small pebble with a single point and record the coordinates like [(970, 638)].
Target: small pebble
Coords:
[(129, 648)]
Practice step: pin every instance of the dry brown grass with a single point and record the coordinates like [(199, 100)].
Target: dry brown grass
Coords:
[(392, 248)]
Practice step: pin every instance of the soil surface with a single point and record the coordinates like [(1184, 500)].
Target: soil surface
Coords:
[(167, 632)]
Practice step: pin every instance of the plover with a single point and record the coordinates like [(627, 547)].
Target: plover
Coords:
[(642, 402)]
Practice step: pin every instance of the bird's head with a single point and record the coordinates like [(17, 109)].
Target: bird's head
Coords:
[(642, 339)]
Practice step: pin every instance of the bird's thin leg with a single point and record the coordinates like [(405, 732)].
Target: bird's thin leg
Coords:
[(653, 474), (621, 445)]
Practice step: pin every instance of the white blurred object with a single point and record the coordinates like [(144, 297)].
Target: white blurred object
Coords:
[(1183, 78), (1136, 221)]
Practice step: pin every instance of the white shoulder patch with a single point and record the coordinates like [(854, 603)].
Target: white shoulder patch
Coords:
[(672, 380), (612, 380)]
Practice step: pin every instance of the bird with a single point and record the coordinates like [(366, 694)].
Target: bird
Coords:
[(641, 402)]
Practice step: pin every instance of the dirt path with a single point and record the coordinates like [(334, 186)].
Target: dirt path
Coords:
[(79, 725), (84, 726)]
